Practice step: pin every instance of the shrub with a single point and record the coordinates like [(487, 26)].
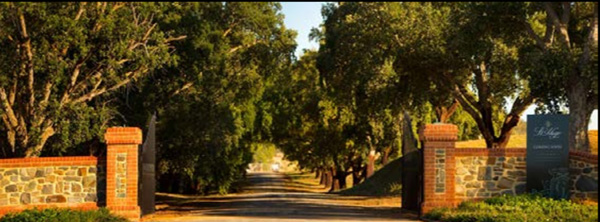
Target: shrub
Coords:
[(58, 215), (508, 208)]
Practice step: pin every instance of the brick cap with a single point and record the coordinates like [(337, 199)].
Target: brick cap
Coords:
[(123, 135), (439, 132)]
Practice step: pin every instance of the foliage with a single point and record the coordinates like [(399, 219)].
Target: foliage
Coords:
[(263, 152), (561, 60), (209, 105), (61, 61), (526, 207), (58, 215)]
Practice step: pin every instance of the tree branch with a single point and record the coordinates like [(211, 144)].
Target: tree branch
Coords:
[(11, 118), (26, 43), (566, 12), (467, 106), (96, 92), (548, 36), (229, 29), (551, 13), (184, 87), (590, 41), (46, 97), (541, 44), (234, 49), (171, 39)]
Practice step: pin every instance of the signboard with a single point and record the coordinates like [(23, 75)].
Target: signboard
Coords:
[(548, 155)]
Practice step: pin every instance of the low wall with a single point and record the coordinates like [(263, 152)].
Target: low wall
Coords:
[(51, 181), (83, 182), (483, 173), (584, 175), (453, 175)]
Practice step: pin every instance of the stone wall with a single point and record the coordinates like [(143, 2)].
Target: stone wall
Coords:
[(50, 180), (82, 183), (452, 175), (483, 177), (584, 175)]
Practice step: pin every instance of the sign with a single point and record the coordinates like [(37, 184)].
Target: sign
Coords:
[(548, 155)]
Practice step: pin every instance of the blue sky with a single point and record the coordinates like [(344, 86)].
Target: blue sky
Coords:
[(302, 16)]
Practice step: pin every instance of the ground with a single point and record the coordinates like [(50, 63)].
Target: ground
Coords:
[(282, 198)]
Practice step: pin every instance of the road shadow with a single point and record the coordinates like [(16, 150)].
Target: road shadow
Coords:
[(278, 197)]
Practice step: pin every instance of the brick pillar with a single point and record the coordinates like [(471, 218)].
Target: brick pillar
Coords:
[(122, 171), (439, 166)]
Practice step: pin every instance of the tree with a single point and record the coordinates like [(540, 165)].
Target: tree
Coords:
[(58, 61), (209, 104), (562, 60), (477, 63), (354, 63)]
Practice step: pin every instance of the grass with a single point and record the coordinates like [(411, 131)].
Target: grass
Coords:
[(520, 141), (516, 141), (65, 214), (387, 181), (527, 207), (593, 136)]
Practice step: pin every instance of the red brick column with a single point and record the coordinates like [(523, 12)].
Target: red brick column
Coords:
[(439, 165), (122, 171)]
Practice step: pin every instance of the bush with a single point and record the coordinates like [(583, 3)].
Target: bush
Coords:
[(508, 208), (58, 215)]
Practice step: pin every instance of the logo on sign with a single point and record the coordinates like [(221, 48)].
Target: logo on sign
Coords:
[(547, 131)]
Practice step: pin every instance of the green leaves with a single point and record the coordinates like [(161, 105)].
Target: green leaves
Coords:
[(62, 58)]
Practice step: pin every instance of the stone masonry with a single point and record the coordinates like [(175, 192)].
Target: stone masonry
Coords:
[(453, 175), (81, 182), (49, 184), (121, 175), (440, 171), (584, 176), (482, 177)]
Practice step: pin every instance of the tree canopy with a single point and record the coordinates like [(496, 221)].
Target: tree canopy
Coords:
[(222, 80)]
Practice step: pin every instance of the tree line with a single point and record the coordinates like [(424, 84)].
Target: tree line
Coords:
[(222, 78)]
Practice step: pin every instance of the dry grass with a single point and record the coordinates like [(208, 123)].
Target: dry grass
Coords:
[(593, 135), (520, 141), (306, 178), (516, 141)]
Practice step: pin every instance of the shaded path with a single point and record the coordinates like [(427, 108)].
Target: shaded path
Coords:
[(273, 197)]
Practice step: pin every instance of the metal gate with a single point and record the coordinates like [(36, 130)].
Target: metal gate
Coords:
[(412, 169), (147, 161)]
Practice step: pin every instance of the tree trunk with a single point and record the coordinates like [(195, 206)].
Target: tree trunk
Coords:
[(386, 155), (335, 185), (443, 114), (356, 171), (371, 164), (481, 110), (35, 150), (317, 174), (580, 110), (328, 178), (322, 180), (341, 179)]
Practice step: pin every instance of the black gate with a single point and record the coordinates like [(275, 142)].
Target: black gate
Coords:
[(412, 169), (147, 161)]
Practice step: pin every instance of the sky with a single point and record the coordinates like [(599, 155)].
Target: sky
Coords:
[(302, 16)]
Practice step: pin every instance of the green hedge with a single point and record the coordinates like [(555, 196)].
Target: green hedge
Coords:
[(59, 215), (526, 207)]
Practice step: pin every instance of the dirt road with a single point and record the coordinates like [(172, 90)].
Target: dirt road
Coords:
[(275, 197)]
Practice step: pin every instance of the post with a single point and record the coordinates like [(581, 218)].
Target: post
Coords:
[(122, 171), (439, 165)]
